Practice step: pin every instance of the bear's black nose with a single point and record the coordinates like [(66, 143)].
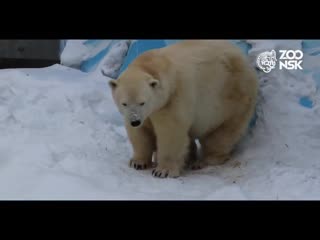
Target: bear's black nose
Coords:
[(135, 123)]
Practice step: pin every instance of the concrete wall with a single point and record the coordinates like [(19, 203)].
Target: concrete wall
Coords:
[(22, 53)]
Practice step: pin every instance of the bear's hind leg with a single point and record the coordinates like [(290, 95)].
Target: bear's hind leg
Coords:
[(218, 145)]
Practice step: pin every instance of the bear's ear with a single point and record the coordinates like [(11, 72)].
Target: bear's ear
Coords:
[(154, 83), (112, 84)]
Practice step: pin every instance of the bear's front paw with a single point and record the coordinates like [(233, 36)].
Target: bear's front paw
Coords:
[(163, 173), (138, 165)]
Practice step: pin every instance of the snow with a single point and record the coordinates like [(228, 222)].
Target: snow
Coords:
[(63, 138), (95, 55)]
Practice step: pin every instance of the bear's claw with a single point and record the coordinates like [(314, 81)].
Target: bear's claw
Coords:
[(163, 173), (138, 166)]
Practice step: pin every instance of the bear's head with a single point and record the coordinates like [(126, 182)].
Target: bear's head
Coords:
[(137, 94)]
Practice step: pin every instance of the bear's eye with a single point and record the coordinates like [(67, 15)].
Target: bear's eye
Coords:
[(141, 104), (124, 104)]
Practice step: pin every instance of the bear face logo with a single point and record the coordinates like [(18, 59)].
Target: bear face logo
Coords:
[(266, 61)]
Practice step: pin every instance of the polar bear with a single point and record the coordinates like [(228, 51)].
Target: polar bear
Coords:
[(203, 90)]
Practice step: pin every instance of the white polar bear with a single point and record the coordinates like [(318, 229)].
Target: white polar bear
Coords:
[(194, 89)]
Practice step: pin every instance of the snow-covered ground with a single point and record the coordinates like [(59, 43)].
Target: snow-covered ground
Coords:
[(63, 138)]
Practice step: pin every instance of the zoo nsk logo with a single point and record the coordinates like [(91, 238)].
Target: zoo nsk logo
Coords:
[(266, 61)]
